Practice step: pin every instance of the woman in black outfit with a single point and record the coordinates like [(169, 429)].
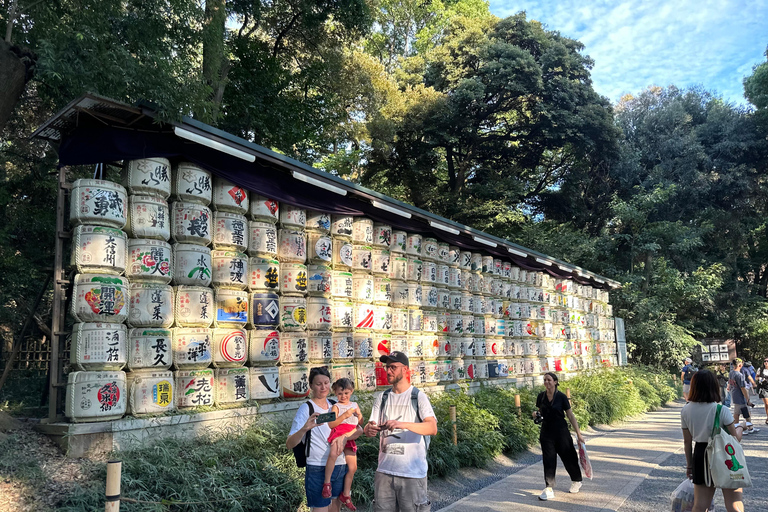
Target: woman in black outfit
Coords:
[(555, 438)]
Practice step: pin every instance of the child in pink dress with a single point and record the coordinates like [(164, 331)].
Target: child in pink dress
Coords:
[(348, 417)]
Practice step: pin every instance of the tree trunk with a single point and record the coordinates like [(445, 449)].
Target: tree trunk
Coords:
[(215, 64), (13, 76)]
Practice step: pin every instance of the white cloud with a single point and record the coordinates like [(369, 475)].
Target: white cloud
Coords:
[(635, 45)]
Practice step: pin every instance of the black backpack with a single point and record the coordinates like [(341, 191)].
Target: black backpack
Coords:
[(301, 450), (688, 373)]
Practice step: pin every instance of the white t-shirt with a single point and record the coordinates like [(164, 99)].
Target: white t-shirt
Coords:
[(352, 420), (699, 418), (402, 452), (319, 447)]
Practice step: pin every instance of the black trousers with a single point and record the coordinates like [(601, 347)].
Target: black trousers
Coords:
[(554, 443)]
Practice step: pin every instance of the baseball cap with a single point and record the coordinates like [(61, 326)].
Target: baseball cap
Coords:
[(688, 360), (748, 363), (395, 357)]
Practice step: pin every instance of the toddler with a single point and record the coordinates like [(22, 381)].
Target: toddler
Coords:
[(348, 417)]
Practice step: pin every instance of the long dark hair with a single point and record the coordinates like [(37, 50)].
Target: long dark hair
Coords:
[(704, 387)]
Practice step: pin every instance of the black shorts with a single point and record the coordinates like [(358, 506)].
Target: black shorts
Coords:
[(699, 466)]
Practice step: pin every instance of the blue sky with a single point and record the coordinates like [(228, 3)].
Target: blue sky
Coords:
[(656, 42)]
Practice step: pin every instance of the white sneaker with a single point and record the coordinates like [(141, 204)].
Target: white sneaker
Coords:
[(547, 494), (745, 432), (753, 430), (575, 487)]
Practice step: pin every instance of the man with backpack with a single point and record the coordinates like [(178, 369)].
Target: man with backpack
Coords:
[(686, 375), (404, 419)]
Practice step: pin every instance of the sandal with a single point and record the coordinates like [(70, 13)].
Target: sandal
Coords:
[(327, 490), (347, 502)]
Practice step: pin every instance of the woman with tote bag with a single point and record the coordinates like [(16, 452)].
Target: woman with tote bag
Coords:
[(697, 420)]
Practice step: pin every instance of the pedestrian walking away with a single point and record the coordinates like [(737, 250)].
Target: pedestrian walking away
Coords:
[(696, 420), (762, 386), (685, 375), (740, 396), (403, 418), (722, 381), (552, 409)]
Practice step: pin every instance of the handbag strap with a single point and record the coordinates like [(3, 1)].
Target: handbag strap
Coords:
[(716, 426)]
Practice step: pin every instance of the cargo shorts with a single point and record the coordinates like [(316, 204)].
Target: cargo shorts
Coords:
[(400, 494)]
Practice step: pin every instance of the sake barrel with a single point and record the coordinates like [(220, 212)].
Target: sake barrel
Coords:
[(429, 249), (482, 367), (230, 231), (382, 318), (506, 290), (98, 202), (443, 320), (342, 255), (343, 346), (262, 239), (265, 382), (194, 388), (192, 265), (99, 346), (443, 253), (342, 371), (232, 385), (318, 222), (476, 283), (381, 346), (506, 270), (380, 261), (230, 269), (415, 319), (342, 284), (264, 209), (150, 176), (400, 320), (522, 276), (459, 370), (466, 302), (400, 293), (399, 344), (263, 347), (454, 278), (95, 396), (446, 371), (150, 392), (292, 246), (399, 242), (444, 346), (469, 348), (342, 315), (193, 306), (443, 275), (429, 272), (429, 296), (293, 279), (363, 345), (341, 226), (231, 307), (151, 305), (414, 269), (148, 217), (293, 217), (413, 245), (474, 325), (99, 250), (191, 223), (361, 258), (362, 231), (366, 376), (363, 316), (149, 260), (294, 347), (467, 281), (382, 235), (514, 273), (264, 274), (192, 183), (382, 290), (432, 368), (320, 346), (319, 313), (228, 197), (149, 349), (362, 287), (293, 313), (486, 264), (318, 281), (192, 347), (100, 298), (501, 327), (495, 347), (454, 256), (490, 325), (415, 346), (456, 325), (429, 321), (415, 295), (419, 373), (465, 260), (319, 248), (398, 267), (431, 345)]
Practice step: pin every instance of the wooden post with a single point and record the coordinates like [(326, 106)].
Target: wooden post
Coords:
[(519, 407), (453, 422), (58, 316), (114, 469)]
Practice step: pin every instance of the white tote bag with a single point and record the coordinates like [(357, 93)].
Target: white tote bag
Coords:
[(724, 459)]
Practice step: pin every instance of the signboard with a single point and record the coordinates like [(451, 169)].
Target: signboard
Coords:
[(717, 350), (621, 341)]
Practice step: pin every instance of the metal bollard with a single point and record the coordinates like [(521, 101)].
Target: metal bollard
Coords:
[(453, 422), (114, 470)]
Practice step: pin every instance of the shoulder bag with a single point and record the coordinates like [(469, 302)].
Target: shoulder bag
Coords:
[(726, 466)]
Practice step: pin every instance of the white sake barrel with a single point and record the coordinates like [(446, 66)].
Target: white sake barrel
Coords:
[(192, 183), (192, 265), (192, 347), (454, 256), (429, 249), (446, 371), (150, 176), (494, 347), (293, 217), (415, 346), (501, 326), (468, 302), (342, 254), (341, 226), (399, 344), (362, 287), (341, 284), (456, 325), (429, 321), (99, 346), (319, 248), (98, 202), (192, 223), (398, 267), (95, 396), (459, 369), (413, 245), (382, 290), (319, 313), (293, 314), (444, 346), (320, 346), (193, 306), (481, 367), (514, 273), (150, 392), (194, 388), (230, 231), (265, 382), (399, 319), (264, 274), (362, 316), (477, 284), (343, 346), (231, 307), (382, 318), (497, 267), (443, 253), (443, 321), (506, 290), (263, 209), (228, 197), (429, 296), (263, 347), (149, 260), (419, 373), (431, 345), (230, 269), (294, 347), (465, 260), (415, 295), (433, 371), (262, 239), (151, 305), (318, 222), (292, 246), (318, 281), (150, 349), (380, 261), (382, 235), (362, 231), (486, 265), (467, 280), (148, 217), (456, 303), (454, 278), (361, 258), (414, 270), (100, 298), (429, 272), (293, 279), (381, 345), (232, 385), (366, 376), (478, 324), (490, 325), (342, 371), (415, 319), (522, 276), (99, 250), (443, 275), (363, 345), (399, 242)]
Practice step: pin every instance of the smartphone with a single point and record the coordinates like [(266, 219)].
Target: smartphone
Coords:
[(325, 418)]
